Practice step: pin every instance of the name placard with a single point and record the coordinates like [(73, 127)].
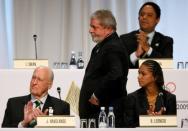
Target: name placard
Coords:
[(56, 121), (164, 63), (29, 64), (158, 121)]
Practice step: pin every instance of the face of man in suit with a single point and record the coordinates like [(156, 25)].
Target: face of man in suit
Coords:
[(98, 32), (148, 19), (40, 82)]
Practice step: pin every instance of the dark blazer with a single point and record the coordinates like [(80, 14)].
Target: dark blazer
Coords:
[(162, 46), (105, 76), (14, 112), (137, 104)]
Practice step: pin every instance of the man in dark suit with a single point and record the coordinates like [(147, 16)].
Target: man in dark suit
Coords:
[(146, 42), (23, 111), (105, 79)]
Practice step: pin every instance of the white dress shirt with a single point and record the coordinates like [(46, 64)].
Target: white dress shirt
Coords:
[(133, 56)]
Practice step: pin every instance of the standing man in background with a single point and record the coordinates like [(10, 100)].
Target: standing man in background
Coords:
[(105, 79), (146, 42), (22, 111)]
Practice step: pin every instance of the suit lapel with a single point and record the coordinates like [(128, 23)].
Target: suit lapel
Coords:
[(143, 102), (156, 41), (97, 52), (48, 103), (19, 112), (26, 99), (95, 60)]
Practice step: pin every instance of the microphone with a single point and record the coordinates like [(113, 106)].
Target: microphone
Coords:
[(35, 41), (162, 101), (59, 92)]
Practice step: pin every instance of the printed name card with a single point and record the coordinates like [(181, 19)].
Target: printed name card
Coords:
[(164, 63), (158, 121), (56, 121), (29, 64)]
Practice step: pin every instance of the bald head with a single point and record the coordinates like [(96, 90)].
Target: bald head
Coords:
[(48, 71), (41, 81)]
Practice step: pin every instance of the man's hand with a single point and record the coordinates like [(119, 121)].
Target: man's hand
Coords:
[(142, 40), (30, 113), (139, 51), (93, 100), (28, 109)]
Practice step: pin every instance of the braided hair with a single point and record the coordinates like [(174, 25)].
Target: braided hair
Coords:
[(157, 72)]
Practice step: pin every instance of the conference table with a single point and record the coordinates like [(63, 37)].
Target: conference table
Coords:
[(93, 129), (15, 82)]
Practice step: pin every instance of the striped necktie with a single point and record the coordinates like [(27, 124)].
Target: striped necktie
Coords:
[(38, 104)]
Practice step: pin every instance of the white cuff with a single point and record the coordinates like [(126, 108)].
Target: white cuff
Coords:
[(93, 95), (149, 51), (133, 58), (20, 125)]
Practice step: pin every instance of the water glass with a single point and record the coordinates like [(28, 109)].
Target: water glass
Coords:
[(83, 123), (92, 123), (64, 65), (184, 123), (186, 65), (180, 65), (55, 65)]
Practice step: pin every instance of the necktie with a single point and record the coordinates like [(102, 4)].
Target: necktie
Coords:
[(38, 104), (33, 123)]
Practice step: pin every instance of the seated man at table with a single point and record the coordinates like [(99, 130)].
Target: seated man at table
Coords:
[(22, 111), (151, 98), (147, 42)]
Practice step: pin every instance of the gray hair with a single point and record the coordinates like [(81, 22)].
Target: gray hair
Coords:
[(106, 18), (51, 73)]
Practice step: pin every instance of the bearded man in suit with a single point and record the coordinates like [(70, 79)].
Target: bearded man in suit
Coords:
[(22, 112), (105, 79)]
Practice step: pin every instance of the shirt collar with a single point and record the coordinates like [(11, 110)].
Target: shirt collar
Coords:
[(43, 99), (150, 36)]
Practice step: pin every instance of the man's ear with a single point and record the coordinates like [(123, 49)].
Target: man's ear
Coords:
[(49, 85), (157, 20)]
